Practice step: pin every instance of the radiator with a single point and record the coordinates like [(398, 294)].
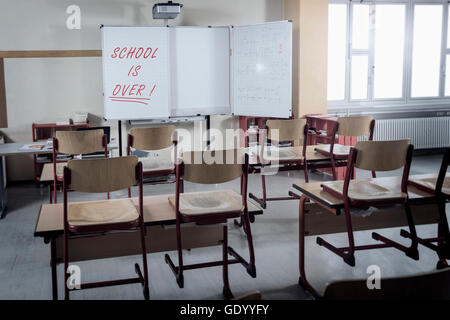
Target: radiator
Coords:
[(425, 133)]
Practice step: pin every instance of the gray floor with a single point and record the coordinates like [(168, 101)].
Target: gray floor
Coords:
[(25, 271)]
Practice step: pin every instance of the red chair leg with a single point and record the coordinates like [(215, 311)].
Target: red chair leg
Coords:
[(251, 268), (146, 290), (66, 266), (333, 167), (55, 195), (411, 251), (348, 253), (305, 170), (50, 193), (261, 201), (226, 284), (177, 271)]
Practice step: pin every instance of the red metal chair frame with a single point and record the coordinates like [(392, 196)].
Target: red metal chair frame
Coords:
[(347, 253), (443, 239), (70, 230), (157, 173), (287, 165), (332, 139), (212, 219), (57, 179)]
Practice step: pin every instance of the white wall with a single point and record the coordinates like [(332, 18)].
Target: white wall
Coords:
[(45, 90)]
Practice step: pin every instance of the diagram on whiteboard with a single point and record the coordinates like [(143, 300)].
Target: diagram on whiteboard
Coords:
[(135, 72), (262, 69)]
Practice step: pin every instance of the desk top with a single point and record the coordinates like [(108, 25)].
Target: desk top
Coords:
[(157, 211), (311, 154), (13, 148), (315, 191)]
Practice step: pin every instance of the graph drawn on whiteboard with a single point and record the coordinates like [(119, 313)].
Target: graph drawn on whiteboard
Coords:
[(262, 70), (135, 77)]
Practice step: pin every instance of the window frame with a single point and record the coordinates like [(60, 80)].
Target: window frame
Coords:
[(406, 101)]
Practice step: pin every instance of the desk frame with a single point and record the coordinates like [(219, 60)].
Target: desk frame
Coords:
[(161, 224), (335, 209)]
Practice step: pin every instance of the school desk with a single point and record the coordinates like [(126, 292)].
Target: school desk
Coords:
[(13, 148), (159, 219), (423, 208), (315, 159)]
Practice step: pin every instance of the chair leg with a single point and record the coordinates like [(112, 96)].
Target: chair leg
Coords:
[(442, 244), (129, 192), (261, 201), (333, 167), (178, 271), (226, 284), (251, 270), (444, 230), (50, 194), (411, 251), (347, 254), (66, 266), (55, 195), (305, 170), (146, 290)]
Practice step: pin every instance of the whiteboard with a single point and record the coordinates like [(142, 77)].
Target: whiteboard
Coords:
[(200, 70), (262, 70), (135, 83)]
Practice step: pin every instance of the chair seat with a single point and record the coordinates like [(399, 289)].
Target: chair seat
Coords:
[(430, 183), (338, 150), (95, 213), (366, 190), (209, 202), (154, 165)]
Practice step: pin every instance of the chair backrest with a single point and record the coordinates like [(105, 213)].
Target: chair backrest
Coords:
[(381, 155), (211, 167), (354, 126), (432, 285), (103, 174), (154, 138), (288, 130), (80, 142)]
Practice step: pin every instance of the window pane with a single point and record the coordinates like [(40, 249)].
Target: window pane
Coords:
[(337, 39), (447, 76), (426, 50), (389, 44), (359, 77), (360, 27), (448, 30)]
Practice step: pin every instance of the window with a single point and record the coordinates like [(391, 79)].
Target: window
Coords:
[(427, 35), (390, 52)]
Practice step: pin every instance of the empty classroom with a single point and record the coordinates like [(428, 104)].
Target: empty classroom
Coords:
[(236, 151)]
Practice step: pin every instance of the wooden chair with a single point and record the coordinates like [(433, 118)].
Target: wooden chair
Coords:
[(430, 285), (373, 156), (98, 217), (151, 139), (347, 127), (292, 158), (212, 207), (438, 185), (75, 143)]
